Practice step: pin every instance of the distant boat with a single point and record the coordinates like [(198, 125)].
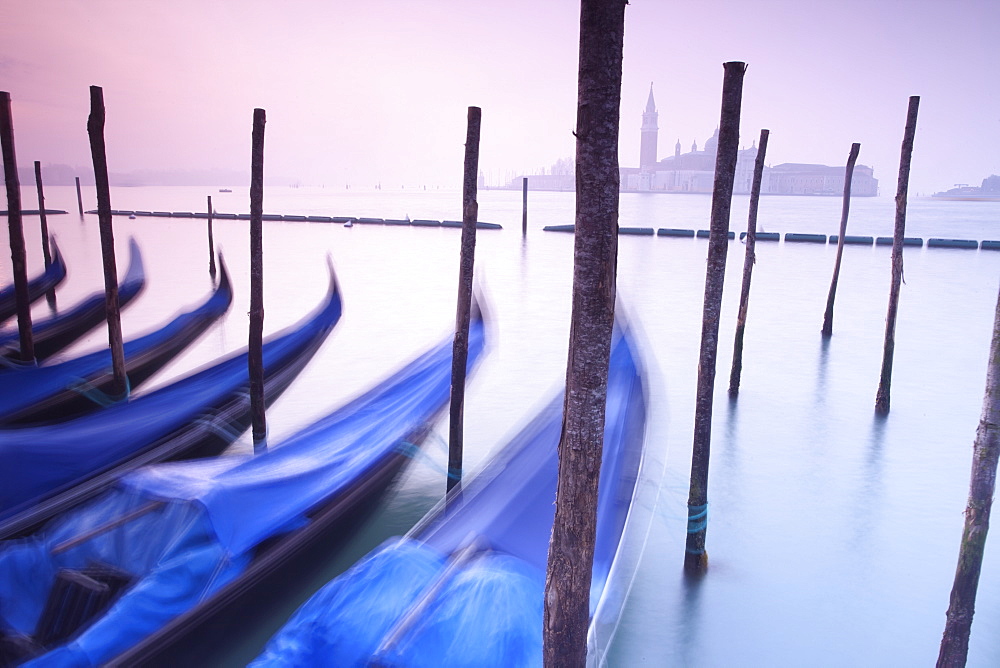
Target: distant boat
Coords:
[(225, 190), (988, 192)]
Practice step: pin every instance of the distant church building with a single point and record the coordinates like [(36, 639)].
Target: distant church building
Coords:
[(694, 172)]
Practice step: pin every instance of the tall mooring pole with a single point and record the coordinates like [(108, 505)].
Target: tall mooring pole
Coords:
[(882, 396), (256, 345), (16, 230), (570, 564), (695, 557), (460, 348)]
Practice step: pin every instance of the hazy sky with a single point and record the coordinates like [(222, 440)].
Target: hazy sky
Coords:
[(377, 90)]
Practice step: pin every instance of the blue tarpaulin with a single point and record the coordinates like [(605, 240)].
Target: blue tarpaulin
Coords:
[(21, 388), (90, 310), (465, 587), (37, 462), (204, 518)]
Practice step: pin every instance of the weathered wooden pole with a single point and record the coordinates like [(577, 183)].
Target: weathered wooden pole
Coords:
[(748, 262), (43, 222), (256, 345), (882, 396), (79, 196), (14, 225), (460, 347), (95, 129), (848, 176), (695, 557), (50, 296), (524, 206), (955, 641), (211, 243), (595, 262)]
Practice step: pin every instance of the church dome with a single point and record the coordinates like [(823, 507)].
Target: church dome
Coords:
[(712, 145)]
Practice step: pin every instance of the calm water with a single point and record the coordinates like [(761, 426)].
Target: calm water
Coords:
[(833, 534)]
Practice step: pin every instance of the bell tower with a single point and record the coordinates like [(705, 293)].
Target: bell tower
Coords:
[(647, 147)]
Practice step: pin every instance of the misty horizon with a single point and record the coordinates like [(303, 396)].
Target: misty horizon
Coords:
[(378, 93)]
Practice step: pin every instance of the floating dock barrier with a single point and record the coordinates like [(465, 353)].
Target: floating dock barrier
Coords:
[(848, 239), (806, 238), (34, 212), (907, 241), (763, 236), (952, 243), (638, 231), (305, 219), (673, 232), (990, 245)]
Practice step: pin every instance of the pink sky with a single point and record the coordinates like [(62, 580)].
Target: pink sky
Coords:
[(378, 90)]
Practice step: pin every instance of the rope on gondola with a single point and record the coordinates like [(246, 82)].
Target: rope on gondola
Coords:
[(415, 452), (87, 389)]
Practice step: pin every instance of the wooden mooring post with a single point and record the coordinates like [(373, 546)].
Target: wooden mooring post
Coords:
[(695, 556), (16, 230), (954, 648), (885, 380), (524, 205), (460, 347), (256, 345), (95, 129), (748, 262), (50, 296), (211, 243), (79, 196), (848, 176), (595, 262)]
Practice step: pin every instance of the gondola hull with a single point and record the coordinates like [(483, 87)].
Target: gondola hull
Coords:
[(37, 287), (60, 466), (466, 586), (227, 531), (60, 392), (53, 335)]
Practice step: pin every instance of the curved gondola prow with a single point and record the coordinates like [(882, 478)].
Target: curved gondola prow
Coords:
[(608, 609), (225, 283), (86, 381), (217, 426), (55, 334), (53, 275)]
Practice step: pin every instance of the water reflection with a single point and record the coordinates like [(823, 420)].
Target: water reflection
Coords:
[(689, 642)]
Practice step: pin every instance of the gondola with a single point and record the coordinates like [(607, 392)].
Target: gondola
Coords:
[(46, 470), (59, 392), (465, 586), (52, 335), (188, 543), (37, 287)]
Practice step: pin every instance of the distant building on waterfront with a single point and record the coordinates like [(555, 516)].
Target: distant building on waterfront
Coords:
[(694, 171)]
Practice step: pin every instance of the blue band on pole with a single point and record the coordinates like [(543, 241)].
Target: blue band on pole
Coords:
[(696, 513)]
